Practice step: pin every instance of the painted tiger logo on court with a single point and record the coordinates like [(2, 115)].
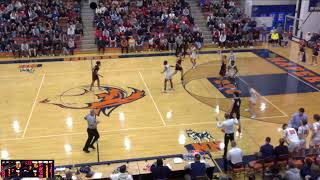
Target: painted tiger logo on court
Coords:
[(105, 100)]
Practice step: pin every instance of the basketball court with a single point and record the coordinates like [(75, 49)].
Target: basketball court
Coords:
[(42, 111)]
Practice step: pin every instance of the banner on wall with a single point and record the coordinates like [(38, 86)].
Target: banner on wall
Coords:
[(274, 15), (314, 5)]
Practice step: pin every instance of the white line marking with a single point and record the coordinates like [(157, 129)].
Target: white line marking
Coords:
[(154, 103), (303, 82), (275, 106), (34, 104), (267, 100), (271, 117), (128, 129)]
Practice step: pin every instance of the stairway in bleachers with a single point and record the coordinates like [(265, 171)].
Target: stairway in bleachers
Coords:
[(200, 20), (87, 16)]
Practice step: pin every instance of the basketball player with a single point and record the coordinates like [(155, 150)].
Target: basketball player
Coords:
[(232, 57), (232, 73), (235, 108), (292, 139), (315, 137), (223, 69), (168, 76), (303, 132), (96, 75), (252, 102), (193, 56), (315, 54), (302, 53), (178, 67)]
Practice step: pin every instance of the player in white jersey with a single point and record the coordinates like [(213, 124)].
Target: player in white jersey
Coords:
[(254, 95), (292, 139), (303, 132), (193, 56), (168, 76), (315, 137), (232, 57), (232, 72)]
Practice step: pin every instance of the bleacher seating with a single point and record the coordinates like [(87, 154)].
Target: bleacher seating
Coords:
[(225, 17), (143, 20), (29, 21)]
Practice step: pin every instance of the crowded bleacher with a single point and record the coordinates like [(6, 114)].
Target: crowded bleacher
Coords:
[(229, 25), (31, 28), (140, 25)]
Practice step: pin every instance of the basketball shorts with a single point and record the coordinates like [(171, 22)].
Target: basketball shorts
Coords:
[(294, 146)]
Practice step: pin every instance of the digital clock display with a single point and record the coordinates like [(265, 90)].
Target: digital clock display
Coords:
[(27, 168)]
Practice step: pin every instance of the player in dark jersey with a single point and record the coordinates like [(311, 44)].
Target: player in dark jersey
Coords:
[(95, 75), (315, 53), (235, 108), (223, 69), (302, 53), (178, 67)]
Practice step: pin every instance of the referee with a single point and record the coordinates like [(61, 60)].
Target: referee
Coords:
[(92, 131), (235, 108), (228, 127)]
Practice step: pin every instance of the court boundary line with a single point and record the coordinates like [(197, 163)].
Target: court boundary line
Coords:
[(129, 129), (297, 78), (33, 105), (154, 103), (285, 114)]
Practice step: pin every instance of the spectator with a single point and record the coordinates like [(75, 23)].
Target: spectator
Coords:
[(285, 39), (101, 45), (281, 150), (122, 175), (132, 44), (71, 46), (47, 46), (296, 119), (234, 156), (40, 48), (15, 49), (71, 30), (305, 171), (151, 43), (124, 45), (222, 39), (113, 40), (179, 40), (79, 28), (308, 36), (274, 38), (264, 33), (24, 49), (98, 34), (32, 49), (292, 173), (159, 171), (139, 44), (266, 150), (171, 42), (197, 168), (315, 167)]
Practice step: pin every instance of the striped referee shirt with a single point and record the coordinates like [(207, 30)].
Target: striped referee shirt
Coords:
[(92, 122)]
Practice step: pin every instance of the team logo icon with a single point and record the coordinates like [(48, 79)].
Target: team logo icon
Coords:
[(104, 100), (202, 142), (29, 67)]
